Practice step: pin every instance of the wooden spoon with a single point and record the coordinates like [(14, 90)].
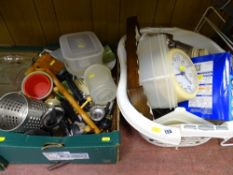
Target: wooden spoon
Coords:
[(134, 90)]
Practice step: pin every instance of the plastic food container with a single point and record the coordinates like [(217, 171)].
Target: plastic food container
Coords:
[(100, 83), (155, 71), (80, 50)]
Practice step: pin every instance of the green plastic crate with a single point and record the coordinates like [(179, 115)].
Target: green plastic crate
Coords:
[(93, 148)]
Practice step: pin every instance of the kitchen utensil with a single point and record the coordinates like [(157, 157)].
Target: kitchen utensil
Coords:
[(97, 112), (52, 117), (66, 76), (53, 102), (106, 124), (85, 104), (73, 102), (19, 113), (69, 111), (52, 66), (191, 51), (82, 86)]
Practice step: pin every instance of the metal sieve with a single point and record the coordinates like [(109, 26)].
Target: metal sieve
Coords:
[(19, 113)]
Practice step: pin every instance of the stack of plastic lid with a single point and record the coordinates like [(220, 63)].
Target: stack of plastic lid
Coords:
[(155, 71)]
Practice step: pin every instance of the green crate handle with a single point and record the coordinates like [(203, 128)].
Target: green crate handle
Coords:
[(52, 145)]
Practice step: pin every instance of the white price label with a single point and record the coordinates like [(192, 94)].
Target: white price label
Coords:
[(65, 155), (204, 67), (201, 102)]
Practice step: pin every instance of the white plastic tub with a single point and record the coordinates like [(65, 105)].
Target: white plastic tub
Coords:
[(190, 130)]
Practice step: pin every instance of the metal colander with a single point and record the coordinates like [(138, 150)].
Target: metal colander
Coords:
[(19, 113)]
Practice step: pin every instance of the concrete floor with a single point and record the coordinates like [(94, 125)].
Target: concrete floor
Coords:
[(137, 157)]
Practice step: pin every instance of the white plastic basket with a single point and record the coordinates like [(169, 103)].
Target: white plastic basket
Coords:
[(182, 128)]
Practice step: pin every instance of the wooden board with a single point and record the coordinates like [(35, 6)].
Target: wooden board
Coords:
[(48, 20), (73, 15), (164, 12), (106, 20), (186, 14), (145, 11), (40, 22), (5, 38), (22, 21)]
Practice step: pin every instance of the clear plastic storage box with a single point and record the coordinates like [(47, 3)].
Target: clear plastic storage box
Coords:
[(80, 50)]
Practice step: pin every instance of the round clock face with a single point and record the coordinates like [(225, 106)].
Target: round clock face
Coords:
[(185, 72)]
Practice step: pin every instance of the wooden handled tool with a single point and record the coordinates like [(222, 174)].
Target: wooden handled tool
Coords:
[(73, 102), (51, 66), (47, 61), (135, 91)]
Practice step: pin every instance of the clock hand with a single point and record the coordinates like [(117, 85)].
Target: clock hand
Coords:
[(185, 75)]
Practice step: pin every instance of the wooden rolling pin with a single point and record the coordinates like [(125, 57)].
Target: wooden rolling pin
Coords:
[(135, 91), (52, 66)]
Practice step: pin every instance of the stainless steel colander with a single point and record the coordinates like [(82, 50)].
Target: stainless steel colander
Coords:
[(19, 113)]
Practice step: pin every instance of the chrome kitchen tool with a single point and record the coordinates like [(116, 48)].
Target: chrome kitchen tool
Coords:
[(53, 117), (97, 112), (19, 113)]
